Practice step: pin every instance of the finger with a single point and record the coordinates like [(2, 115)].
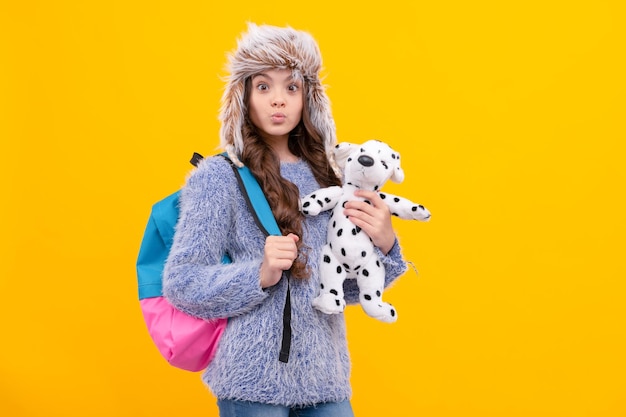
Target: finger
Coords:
[(367, 212), (356, 208), (365, 222), (370, 205), (281, 253), (282, 241), (356, 215), (371, 196), (282, 247)]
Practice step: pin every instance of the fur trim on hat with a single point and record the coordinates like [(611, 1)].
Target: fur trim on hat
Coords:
[(267, 47)]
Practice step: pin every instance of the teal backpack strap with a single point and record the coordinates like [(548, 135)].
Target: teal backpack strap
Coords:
[(255, 198)]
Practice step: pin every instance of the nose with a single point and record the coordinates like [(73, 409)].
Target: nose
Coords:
[(278, 101), (365, 160)]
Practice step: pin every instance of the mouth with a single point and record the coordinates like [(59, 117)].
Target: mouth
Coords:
[(278, 117)]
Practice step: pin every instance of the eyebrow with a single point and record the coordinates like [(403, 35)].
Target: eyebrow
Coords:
[(287, 78)]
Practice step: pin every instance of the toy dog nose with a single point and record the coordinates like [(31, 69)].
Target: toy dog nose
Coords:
[(365, 160)]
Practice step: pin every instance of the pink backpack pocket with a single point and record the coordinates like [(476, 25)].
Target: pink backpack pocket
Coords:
[(186, 342)]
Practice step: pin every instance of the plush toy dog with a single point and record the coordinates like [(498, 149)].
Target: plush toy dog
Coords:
[(349, 252)]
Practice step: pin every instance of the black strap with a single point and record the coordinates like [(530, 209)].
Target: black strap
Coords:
[(286, 345), (196, 158), (286, 338)]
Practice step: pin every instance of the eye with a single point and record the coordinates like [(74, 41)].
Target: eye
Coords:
[(293, 87), (262, 87), (384, 164)]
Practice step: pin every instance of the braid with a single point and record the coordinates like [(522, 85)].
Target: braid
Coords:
[(283, 196)]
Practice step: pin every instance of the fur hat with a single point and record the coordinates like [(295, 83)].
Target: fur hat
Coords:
[(266, 47)]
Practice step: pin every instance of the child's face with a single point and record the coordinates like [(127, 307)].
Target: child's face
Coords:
[(275, 105)]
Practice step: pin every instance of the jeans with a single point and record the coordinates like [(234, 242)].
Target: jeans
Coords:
[(229, 408)]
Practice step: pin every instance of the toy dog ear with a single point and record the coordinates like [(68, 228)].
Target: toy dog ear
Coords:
[(342, 151), (398, 175)]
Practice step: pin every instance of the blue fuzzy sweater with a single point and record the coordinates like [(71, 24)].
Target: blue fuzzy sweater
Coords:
[(215, 220)]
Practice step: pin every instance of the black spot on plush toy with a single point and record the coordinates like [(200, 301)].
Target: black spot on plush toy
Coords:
[(349, 253)]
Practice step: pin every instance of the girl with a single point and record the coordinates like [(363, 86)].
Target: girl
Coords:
[(276, 120)]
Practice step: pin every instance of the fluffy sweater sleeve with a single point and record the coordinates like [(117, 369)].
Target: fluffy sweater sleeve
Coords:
[(212, 211)]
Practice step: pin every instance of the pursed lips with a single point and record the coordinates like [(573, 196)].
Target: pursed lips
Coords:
[(278, 117)]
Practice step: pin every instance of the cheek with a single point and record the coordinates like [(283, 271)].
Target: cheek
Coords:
[(299, 105)]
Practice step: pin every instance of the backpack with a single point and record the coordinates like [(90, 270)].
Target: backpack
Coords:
[(188, 342)]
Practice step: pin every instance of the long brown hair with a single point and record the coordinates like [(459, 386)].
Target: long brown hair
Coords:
[(283, 196)]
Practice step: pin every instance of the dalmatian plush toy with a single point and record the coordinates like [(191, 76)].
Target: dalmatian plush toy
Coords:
[(349, 253)]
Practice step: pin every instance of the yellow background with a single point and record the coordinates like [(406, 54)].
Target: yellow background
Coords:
[(510, 120)]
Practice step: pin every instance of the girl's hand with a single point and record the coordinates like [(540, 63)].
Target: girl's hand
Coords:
[(374, 219), (280, 252)]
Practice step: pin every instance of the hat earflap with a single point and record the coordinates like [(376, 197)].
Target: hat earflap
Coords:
[(232, 118)]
